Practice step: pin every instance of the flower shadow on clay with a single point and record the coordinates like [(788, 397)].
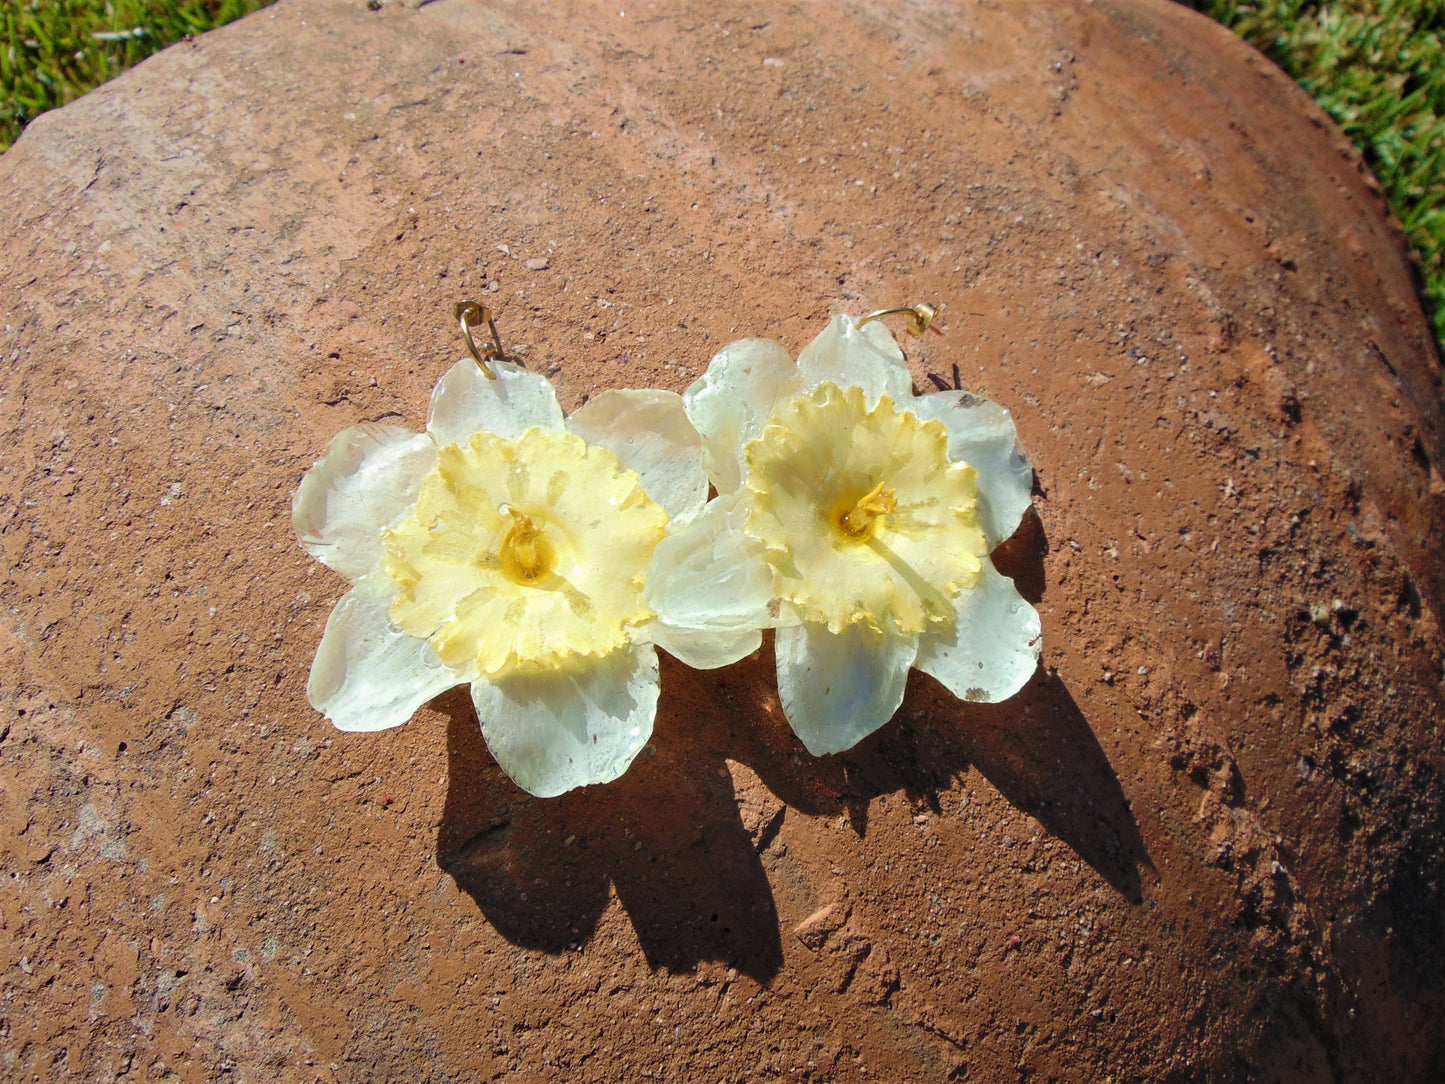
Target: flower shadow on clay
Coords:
[(669, 835), (1037, 749)]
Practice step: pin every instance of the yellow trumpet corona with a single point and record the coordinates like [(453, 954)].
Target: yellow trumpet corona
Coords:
[(509, 559), (862, 516)]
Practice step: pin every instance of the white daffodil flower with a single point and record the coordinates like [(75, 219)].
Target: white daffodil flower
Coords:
[(507, 547), (856, 519)]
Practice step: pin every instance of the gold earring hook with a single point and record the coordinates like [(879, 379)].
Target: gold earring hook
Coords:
[(470, 314), (920, 317)]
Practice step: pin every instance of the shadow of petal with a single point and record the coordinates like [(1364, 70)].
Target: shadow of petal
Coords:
[(688, 872), (508, 850), (1021, 556), (1041, 754)]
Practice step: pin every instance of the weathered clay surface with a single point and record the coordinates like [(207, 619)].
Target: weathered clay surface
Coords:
[(1204, 843)]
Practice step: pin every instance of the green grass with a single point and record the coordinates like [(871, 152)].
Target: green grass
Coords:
[(1378, 68), (55, 50)]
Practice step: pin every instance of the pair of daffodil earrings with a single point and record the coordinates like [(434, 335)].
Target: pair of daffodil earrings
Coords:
[(543, 559)]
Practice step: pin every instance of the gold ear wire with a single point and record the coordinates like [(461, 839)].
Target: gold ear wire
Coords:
[(469, 314), (920, 317)]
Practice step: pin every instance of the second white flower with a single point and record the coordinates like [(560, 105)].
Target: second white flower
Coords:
[(856, 519)]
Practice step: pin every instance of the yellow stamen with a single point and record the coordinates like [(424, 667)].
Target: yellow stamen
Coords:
[(857, 521), (525, 554)]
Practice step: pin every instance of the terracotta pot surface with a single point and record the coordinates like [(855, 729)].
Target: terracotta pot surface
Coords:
[(1205, 841)]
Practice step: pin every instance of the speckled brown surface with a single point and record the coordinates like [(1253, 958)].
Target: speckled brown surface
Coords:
[(1204, 843)]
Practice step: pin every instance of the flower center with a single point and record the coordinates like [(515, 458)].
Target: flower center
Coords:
[(854, 520), (525, 553)]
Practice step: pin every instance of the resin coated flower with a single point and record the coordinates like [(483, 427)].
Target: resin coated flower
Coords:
[(856, 519), (507, 547)]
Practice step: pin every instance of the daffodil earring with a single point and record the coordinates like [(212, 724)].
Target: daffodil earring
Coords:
[(507, 547), (856, 519)]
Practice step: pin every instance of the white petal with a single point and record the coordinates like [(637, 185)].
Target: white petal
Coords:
[(836, 689), (649, 432), (994, 645), (710, 575), (465, 402), (558, 729), (368, 674), (845, 354), (981, 433), (366, 481), (703, 649), (731, 401)]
